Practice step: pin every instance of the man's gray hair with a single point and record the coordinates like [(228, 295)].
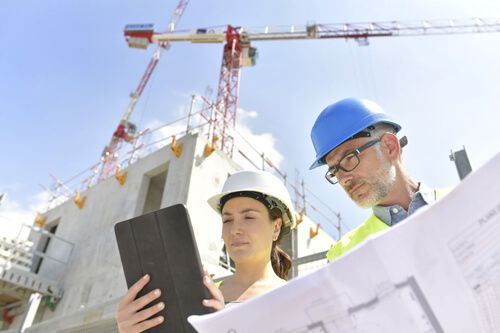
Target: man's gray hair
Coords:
[(382, 128)]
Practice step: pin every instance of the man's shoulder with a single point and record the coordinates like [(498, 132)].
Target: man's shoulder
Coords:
[(431, 195), (352, 238)]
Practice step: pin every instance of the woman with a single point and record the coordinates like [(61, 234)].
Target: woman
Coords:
[(256, 212)]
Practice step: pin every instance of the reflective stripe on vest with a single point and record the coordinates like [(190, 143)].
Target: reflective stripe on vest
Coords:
[(371, 226)]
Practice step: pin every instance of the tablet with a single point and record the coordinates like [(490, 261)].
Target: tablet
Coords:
[(162, 245)]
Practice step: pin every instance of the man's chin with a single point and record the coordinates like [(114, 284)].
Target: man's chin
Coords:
[(364, 202), (364, 205)]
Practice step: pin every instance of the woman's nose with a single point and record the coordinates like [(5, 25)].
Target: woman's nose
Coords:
[(236, 228)]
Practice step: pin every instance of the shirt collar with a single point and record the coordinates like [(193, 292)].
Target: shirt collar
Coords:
[(427, 194), (391, 215)]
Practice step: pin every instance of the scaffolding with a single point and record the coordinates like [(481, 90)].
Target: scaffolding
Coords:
[(200, 119), (20, 259)]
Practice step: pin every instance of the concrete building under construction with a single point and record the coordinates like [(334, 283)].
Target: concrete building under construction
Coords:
[(65, 275)]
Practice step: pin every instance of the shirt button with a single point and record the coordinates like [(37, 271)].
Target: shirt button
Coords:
[(394, 210)]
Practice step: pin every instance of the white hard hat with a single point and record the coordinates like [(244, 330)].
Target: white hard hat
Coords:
[(272, 189)]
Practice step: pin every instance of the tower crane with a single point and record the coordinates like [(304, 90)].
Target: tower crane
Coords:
[(238, 51), (126, 130)]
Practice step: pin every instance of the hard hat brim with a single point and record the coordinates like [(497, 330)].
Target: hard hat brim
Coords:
[(320, 160)]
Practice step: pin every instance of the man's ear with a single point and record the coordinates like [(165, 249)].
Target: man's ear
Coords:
[(390, 146)]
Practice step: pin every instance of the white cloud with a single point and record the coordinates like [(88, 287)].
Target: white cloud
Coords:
[(254, 144), (244, 115), (160, 134), (13, 215)]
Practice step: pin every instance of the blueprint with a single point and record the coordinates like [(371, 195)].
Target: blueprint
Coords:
[(439, 271), (477, 252)]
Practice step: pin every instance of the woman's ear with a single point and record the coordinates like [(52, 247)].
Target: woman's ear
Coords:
[(277, 228)]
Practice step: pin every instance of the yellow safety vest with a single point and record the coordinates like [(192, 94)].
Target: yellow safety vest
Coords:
[(371, 226)]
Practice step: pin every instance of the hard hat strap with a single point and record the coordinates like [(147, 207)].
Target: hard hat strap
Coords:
[(363, 134), (269, 202), (248, 194)]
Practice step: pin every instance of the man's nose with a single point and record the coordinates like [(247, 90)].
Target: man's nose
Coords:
[(344, 177)]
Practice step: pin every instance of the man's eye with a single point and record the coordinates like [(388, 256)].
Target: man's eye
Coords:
[(349, 157), (249, 218), (226, 221)]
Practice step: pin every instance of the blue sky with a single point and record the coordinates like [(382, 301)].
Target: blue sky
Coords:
[(66, 73)]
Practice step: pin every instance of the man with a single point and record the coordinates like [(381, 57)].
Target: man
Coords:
[(358, 143)]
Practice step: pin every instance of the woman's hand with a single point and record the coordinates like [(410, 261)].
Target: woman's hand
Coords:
[(130, 315), (217, 301)]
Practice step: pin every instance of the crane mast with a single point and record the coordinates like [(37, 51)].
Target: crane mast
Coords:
[(126, 130), (226, 103)]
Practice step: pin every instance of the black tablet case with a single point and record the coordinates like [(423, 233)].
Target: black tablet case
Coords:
[(162, 245)]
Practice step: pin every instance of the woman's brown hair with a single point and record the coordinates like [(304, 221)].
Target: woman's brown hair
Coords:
[(280, 260)]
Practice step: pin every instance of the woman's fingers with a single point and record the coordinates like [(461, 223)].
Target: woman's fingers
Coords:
[(125, 308), (146, 313), (213, 303), (131, 294), (147, 324), (214, 290), (131, 316), (129, 309), (141, 302), (217, 301)]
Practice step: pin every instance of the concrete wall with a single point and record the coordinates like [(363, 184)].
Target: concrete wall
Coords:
[(207, 179), (93, 280), (307, 246), (94, 275)]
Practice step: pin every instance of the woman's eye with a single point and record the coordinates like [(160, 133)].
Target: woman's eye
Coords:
[(226, 221)]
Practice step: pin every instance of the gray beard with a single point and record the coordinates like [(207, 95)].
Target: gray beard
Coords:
[(382, 183)]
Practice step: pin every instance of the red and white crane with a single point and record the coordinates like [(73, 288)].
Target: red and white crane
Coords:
[(126, 130), (238, 51)]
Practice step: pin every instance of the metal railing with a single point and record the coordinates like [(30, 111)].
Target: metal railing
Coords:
[(150, 140)]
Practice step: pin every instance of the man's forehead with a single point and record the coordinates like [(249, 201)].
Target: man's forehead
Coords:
[(349, 145)]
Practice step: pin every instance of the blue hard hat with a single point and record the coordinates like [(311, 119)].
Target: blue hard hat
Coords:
[(341, 121)]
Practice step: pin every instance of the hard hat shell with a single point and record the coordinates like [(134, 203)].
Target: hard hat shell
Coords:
[(340, 121), (262, 182)]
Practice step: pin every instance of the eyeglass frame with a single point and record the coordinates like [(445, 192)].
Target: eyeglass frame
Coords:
[(356, 153)]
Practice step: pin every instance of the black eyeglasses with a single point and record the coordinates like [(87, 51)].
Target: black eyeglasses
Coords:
[(348, 163)]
